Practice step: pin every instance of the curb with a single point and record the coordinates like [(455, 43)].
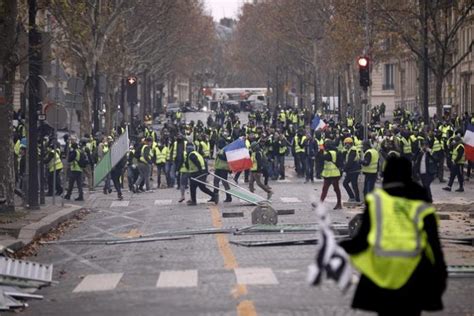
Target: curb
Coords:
[(33, 230)]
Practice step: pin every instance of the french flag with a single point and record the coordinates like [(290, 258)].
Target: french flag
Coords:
[(238, 157), (469, 143), (317, 123)]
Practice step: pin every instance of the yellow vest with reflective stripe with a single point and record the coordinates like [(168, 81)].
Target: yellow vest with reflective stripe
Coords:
[(206, 147), (254, 162), (455, 155), (75, 163), (396, 240), (436, 146), (330, 169), (183, 168), (192, 167), (374, 161), (298, 148), (142, 156), (406, 149), (55, 163), (161, 155)]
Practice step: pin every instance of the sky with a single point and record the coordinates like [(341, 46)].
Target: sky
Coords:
[(223, 8)]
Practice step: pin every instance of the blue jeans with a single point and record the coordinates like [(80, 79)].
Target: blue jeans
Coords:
[(170, 171), (369, 182)]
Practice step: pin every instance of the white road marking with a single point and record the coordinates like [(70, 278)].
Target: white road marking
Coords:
[(172, 279), (199, 201), (98, 282), (290, 200), (255, 276), (283, 181), (119, 204), (163, 202)]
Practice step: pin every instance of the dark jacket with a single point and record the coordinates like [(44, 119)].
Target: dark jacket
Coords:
[(351, 163), (430, 163), (425, 287)]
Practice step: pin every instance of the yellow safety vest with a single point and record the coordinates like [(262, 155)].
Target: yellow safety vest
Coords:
[(437, 146), (374, 161), (55, 163), (75, 164), (219, 163), (142, 156), (396, 240), (183, 168), (406, 145), (254, 162), (350, 122), (192, 167), (298, 148), (206, 147), (161, 155), (454, 155), (330, 169)]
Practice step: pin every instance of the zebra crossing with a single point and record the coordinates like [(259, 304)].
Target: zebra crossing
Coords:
[(175, 279)]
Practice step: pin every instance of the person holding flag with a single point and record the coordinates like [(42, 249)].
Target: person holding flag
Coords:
[(397, 248)]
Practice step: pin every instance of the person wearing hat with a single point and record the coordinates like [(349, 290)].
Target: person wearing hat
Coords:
[(197, 169), (457, 164), (258, 164), (352, 170), (143, 166), (370, 166), (397, 248), (425, 166), (331, 173)]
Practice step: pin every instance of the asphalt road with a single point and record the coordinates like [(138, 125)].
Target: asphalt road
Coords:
[(206, 274)]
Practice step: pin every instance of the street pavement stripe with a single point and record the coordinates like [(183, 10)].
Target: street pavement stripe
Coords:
[(173, 279), (163, 202), (119, 204), (200, 201), (283, 181), (290, 200), (255, 276), (98, 282)]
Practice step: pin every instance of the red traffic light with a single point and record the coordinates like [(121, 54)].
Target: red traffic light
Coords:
[(131, 80), (363, 61)]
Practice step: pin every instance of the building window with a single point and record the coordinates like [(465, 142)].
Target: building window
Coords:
[(388, 77)]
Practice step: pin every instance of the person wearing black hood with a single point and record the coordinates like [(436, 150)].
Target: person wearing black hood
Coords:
[(397, 248)]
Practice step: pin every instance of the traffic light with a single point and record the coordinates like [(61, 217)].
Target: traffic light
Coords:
[(132, 89), (364, 72)]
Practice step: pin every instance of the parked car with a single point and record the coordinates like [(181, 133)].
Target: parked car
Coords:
[(232, 105), (172, 108)]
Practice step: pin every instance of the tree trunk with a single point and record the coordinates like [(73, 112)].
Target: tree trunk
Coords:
[(8, 13), (439, 95), (85, 117), (349, 87)]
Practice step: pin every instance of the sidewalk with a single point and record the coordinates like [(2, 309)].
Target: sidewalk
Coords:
[(19, 228)]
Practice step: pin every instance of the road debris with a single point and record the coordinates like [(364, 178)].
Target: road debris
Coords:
[(458, 271), (139, 240), (279, 242), (232, 214), (19, 279)]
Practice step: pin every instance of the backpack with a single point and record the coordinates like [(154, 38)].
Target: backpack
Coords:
[(83, 160)]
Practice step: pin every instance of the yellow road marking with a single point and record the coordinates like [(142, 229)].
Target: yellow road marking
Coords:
[(133, 233), (246, 307)]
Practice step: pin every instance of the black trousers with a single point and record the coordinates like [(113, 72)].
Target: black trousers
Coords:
[(116, 181), (351, 180), (160, 169), (456, 171), (75, 177), (193, 185), (369, 182), (51, 176), (223, 174), (426, 180)]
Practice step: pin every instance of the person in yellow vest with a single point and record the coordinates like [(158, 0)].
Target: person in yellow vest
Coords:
[(370, 166), (437, 148), (160, 154), (184, 177), (457, 165), (299, 144), (55, 166), (222, 172), (143, 166), (331, 173), (258, 164), (397, 248), (75, 174), (352, 170), (197, 168)]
